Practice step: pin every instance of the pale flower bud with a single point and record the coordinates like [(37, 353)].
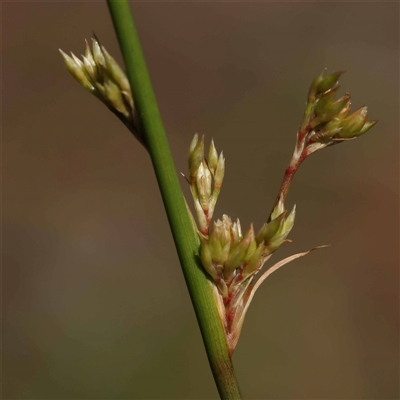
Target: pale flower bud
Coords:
[(75, 67), (114, 96), (201, 217), (219, 171), (220, 240), (236, 232), (116, 72), (206, 260), (255, 262), (203, 185), (239, 253), (196, 155), (97, 53), (102, 76)]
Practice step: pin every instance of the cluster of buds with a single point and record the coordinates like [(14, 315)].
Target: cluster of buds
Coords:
[(230, 258), (205, 181), (101, 75), (328, 121)]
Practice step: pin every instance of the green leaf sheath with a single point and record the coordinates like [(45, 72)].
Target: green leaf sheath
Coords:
[(186, 240)]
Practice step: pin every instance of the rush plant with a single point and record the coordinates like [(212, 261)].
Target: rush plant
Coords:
[(220, 263)]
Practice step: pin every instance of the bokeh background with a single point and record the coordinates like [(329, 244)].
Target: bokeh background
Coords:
[(94, 301)]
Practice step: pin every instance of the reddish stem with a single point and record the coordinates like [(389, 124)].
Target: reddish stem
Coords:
[(294, 165)]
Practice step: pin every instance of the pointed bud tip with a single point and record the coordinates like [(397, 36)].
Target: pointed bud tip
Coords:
[(67, 59), (329, 81)]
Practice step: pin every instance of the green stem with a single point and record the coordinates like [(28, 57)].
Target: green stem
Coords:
[(186, 240)]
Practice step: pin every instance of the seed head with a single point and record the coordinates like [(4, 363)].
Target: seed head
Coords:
[(101, 75), (326, 121)]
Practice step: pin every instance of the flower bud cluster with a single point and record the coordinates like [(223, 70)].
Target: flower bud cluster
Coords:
[(231, 258), (101, 75), (328, 121), (206, 176)]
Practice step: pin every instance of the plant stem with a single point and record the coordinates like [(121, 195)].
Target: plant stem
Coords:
[(185, 237)]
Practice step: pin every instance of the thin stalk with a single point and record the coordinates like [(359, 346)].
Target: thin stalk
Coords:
[(299, 155), (185, 237)]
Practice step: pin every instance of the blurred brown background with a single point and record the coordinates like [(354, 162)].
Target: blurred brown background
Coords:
[(94, 301)]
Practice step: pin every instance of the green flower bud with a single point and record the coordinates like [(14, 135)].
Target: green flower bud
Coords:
[(367, 126), (340, 105), (268, 231), (239, 253), (346, 109), (325, 101), (289, 221), (282, 233), (212, 158), (331, 129), (196, 156), (219, 171), (255, 261), (251, 249), (193, 143), (201, 217), (215, 248), (312, 93), (333, 110), (205, 256), (329, 81), (353, 123), (278, 209)]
